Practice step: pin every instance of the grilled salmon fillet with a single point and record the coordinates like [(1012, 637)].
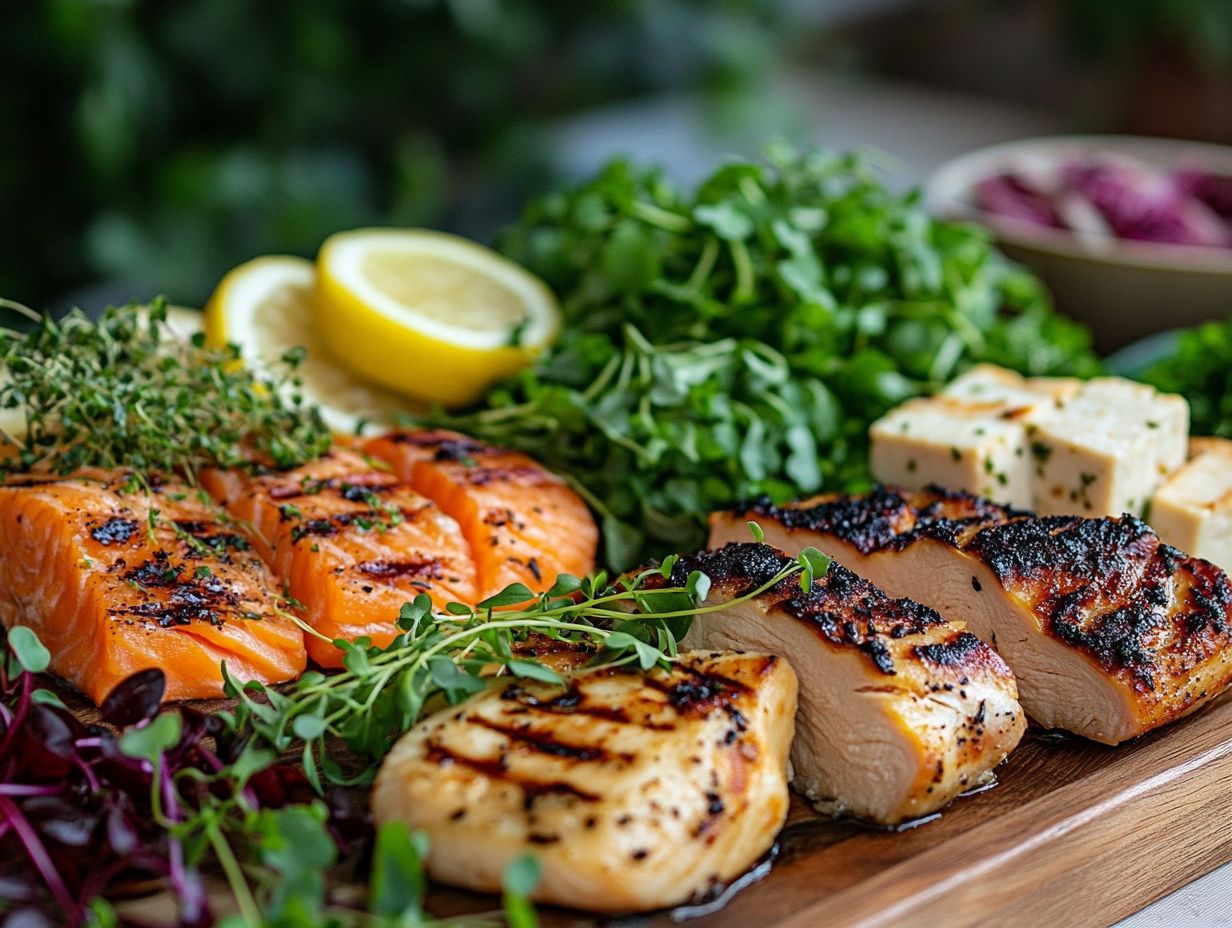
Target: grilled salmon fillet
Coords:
[(111, 591), (351, 542), (1110, 632), (523, 523), (635, 791), (900, 710)]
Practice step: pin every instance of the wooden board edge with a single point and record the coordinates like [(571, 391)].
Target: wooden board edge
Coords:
[(1087, 854)]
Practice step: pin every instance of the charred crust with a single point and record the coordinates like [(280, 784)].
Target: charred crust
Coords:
[(498, 769), (1143, 611), (430, 567), (736, 568), (1072, 547), (114, 531), (887, 519), (961, 650), (848, 610), (845, 609)]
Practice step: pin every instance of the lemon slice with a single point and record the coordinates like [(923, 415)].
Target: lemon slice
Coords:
[(266, 307), (430, 314)]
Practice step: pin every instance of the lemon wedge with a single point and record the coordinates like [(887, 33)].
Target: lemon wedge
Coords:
[(266, 307), (429, 314)]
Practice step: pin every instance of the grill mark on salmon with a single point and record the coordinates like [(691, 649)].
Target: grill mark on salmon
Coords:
[(430, 568), (114, 531), (351, 542), (112, 588), (523, 524)]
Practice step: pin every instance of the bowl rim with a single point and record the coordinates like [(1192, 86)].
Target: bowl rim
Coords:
[(946, 195)]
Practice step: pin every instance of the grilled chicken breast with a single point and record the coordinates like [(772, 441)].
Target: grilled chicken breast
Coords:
[(635, 791), (900, 710), (351, 542), (111, 591), (1110, 632), (523, 523)]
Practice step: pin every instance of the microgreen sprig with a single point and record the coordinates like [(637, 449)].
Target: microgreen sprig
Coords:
[(122, 392), (634, 621)]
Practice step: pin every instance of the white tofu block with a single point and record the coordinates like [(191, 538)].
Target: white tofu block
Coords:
[(1013, 395), (1193, 509), (955, 444), (1107, 448)]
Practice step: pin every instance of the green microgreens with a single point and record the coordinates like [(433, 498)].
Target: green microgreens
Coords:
[(737, 339), (452, 654), (121, 393)]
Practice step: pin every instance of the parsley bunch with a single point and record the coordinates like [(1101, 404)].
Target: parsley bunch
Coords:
[(120, 393), (738, 339)]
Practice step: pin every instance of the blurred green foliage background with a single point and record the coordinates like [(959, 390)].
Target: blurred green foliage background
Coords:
[(155, 143), (159, 142)]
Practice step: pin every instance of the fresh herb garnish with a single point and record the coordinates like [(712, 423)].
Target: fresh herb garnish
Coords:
[(174, 798), (120, 393), (450, 655), (737, 340), (1200, 369)]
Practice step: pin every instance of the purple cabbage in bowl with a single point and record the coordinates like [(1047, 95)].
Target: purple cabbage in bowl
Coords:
[(1106, 198)]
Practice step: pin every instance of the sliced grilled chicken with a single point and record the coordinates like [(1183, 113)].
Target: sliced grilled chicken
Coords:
[(900, 711), (1110, 632), (634, 791)]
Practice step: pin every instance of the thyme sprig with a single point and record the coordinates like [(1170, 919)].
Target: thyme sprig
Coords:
[(452, 654), (119, 393)]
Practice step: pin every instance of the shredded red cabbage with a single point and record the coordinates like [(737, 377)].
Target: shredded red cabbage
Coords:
[(1116, 198), (76, 816)]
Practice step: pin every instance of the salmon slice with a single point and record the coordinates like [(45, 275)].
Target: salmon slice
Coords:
[(111, 592), (900, 710), (524, 524), (1110, 632), (351, 542)]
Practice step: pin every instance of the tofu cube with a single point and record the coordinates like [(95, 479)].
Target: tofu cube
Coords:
[(1193, 509), (1012, 395), (1107, 448), (956, 444)]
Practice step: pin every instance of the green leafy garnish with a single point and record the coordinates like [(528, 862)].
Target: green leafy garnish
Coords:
[(737, 340), (1200, 369), (121, 393), (450, 655), (30, 653)]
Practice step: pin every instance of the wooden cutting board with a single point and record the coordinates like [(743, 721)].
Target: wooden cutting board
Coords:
[(1074, 834)]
